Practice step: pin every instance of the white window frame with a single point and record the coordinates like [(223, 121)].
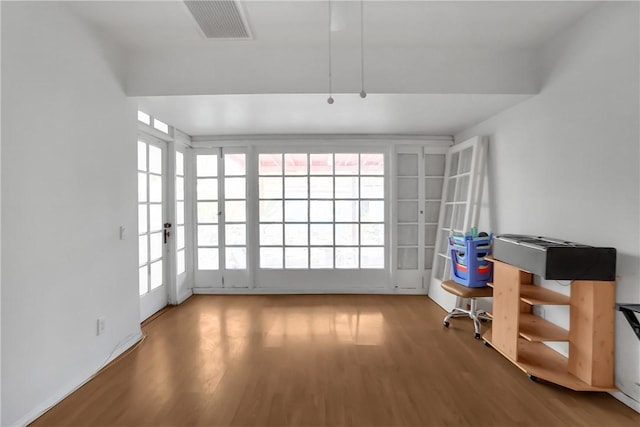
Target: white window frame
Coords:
[(329, 280), (470, 201)]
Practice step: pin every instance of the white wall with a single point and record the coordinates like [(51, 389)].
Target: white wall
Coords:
[(68, 163), (565, 163), (232, 70)]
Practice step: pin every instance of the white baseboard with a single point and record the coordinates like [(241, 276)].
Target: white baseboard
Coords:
[(64, 392), (275, 291), (185, 296), (633, 404)]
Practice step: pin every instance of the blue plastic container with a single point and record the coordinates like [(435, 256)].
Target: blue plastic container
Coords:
[(468, 266)]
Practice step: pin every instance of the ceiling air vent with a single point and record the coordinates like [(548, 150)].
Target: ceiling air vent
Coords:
[(219, 19)]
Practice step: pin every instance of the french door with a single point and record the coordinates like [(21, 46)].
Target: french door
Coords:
[(222, 236), (153, 230), (419, 172)]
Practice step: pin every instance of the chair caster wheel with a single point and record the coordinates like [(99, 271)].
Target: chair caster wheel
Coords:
[(486, 343), (445, 324), (533, 378), (477, 336), (483, 320)]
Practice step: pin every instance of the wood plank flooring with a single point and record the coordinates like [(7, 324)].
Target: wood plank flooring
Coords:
[(321, 360)]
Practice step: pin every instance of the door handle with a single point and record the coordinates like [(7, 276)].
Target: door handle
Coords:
[(167, 233)]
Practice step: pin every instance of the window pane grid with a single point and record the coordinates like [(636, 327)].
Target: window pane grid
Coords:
[(150, 217), (319, 195), (180, 214), (209, 208), (207, 212), (235, 211)]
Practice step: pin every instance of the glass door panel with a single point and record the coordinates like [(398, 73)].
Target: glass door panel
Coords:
[(234, 218), (152, 285), (180, 214), (208, 212), (434, 166), (182, 227), (409, 191)]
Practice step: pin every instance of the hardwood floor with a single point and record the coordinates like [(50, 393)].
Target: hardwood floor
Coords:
[(321, 360)]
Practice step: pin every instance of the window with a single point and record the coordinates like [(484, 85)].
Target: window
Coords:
[(161, 126), (157, 124), (144, 118), (321, 210)]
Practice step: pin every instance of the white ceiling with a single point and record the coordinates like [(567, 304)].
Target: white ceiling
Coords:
[(162, 45), (163, 24)]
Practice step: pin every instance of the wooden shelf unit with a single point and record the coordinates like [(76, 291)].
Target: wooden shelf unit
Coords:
[(519, 335)]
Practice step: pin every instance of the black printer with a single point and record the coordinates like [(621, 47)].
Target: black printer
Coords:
[(556, 259)]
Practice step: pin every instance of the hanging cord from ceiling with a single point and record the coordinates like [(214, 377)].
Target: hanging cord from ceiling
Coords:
[(363, 94), (330, 99)]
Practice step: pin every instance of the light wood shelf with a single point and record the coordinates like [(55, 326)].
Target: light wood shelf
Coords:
[(537, 295), (519, 335), (536, 329), (541, 361)]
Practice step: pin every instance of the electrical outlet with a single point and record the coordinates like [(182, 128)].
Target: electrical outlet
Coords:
[(101, 325)]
